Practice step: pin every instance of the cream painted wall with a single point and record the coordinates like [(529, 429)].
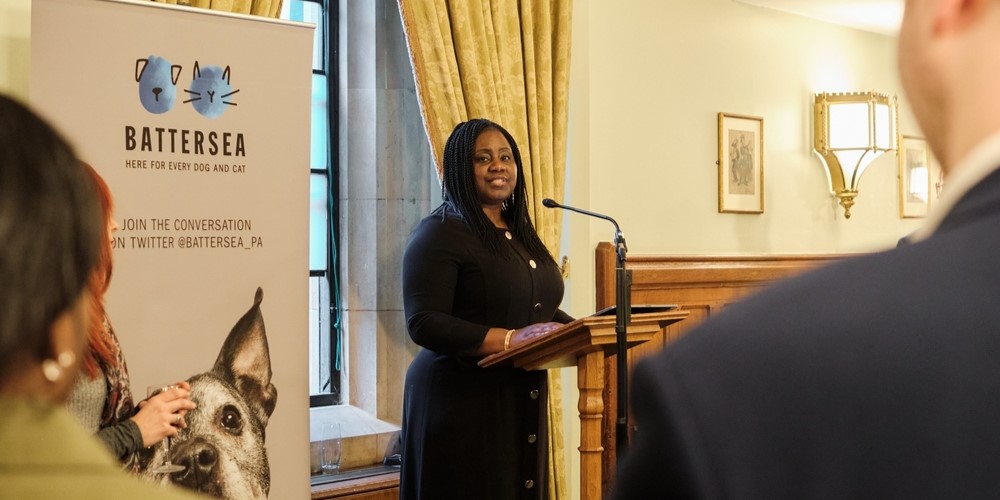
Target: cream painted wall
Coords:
[(648, 80), (15, 47), (650, 76)]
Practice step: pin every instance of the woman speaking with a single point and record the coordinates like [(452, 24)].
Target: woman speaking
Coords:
[(476, 280)]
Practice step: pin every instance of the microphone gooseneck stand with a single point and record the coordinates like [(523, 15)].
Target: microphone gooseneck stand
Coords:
[(623, 316)]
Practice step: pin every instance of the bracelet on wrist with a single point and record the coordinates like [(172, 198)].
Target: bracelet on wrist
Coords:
[(506, 339)]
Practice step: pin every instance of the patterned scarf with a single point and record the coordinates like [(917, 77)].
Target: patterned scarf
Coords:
[(119, 405)]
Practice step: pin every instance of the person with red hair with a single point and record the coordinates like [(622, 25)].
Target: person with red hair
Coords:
[(101, 399)]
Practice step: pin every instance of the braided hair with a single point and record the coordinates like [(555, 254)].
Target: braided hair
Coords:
[(461, 194)]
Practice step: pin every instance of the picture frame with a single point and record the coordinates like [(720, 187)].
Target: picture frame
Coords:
[(936, 178), (917, 177), (741, 164)]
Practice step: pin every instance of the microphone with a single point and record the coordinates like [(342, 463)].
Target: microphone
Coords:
[(619, 237), (623, 317)]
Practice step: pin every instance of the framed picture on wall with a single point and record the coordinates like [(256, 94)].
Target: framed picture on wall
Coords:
[(936, 178), (741, 164), (916, 179)]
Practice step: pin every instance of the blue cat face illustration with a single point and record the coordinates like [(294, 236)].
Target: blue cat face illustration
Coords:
[(157, 83), (210, 91)]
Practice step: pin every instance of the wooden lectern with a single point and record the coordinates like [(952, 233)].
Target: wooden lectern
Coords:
[(585, 343)]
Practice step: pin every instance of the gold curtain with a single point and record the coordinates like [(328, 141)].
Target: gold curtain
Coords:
[(507, 61), (266, 8)]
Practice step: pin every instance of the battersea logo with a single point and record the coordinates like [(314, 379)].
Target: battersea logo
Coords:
[(209, 92), (157, 83)]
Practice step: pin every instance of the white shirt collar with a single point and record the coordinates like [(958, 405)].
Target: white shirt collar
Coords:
[(980, 162)]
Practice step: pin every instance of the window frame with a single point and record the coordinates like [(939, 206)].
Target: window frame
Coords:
[(330, 69)]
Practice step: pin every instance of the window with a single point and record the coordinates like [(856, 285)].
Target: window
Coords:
[(324, 284), (379, 174)]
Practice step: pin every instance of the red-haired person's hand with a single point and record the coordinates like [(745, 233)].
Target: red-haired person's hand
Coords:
[(162, 415)]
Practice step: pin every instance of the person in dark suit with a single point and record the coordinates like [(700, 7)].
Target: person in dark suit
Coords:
[(476, 280), (876, 377)]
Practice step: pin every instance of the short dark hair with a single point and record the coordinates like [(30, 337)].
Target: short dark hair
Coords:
[(460, 189), (49, 231)]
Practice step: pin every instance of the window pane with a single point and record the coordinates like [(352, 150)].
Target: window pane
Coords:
[(313, 13), (309, 12), (319, 336), (320, 119), (287, 9), (319, 196), (292, 10)]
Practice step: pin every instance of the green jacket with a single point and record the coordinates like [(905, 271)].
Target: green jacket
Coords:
[(45, 454)]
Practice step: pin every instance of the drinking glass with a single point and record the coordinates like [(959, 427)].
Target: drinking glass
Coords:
[(332, 448), (166, 467)]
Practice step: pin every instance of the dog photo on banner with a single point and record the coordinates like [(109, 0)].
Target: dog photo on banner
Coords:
[(222, 449)]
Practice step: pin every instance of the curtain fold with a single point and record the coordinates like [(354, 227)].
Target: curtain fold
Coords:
[(507, 61), (265, 8)]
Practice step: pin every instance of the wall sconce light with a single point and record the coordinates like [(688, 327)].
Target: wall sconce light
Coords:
[(851, 130)]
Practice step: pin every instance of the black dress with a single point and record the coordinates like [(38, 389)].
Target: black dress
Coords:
[(470, 432)]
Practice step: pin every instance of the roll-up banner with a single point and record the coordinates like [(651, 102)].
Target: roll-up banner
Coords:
[(199, 123)]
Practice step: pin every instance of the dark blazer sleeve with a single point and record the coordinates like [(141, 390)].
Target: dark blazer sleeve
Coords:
[(657, 465), (431, 264)]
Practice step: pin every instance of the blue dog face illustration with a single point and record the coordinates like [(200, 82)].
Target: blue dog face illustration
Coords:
[(210, 90), (157, 83)]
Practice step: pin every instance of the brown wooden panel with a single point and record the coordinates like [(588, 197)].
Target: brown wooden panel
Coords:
[(381, 487), (700, 285), (388, 494)]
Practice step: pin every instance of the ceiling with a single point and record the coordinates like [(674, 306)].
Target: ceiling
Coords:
[(879, 16)]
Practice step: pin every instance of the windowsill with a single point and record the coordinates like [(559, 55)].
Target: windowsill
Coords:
[(366, 441), (320, 480)]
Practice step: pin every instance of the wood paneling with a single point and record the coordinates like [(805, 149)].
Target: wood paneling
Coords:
[(380, 487), (700, 285)]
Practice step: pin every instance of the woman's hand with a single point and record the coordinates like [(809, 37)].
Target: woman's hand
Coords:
[(529, 332), (162, 415)]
